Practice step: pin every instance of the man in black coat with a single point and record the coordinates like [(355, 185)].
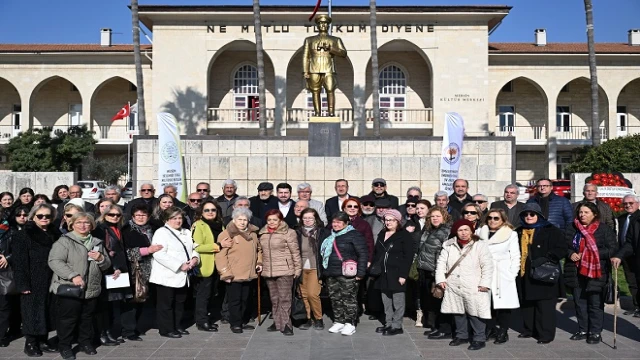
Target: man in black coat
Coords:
[(264, 201), (75, 192), (460, 196), (334, 204), (510, 204), (379, 191), (147, 197), (629, 233), (441, 199), (413, 193)]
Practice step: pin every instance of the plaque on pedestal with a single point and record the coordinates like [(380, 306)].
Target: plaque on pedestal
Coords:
[(324, 136)]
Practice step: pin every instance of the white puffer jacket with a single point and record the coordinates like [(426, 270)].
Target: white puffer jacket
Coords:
[(476, 269)]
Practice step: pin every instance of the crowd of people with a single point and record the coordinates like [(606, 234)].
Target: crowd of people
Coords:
[(105, 273)]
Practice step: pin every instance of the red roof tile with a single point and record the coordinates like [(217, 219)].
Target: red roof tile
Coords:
[(63, 48), (561, 48)]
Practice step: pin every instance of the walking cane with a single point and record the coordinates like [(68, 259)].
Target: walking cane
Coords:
[(615, 307), (259, 302)]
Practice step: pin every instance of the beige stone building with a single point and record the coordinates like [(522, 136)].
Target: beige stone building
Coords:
[(432, 60)]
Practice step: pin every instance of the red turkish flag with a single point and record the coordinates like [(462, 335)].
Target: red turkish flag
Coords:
[(123, 113)]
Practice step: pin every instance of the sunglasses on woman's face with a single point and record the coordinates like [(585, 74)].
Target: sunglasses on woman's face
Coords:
[(21, 215), (209, 210), (43, 216), (411, 205), (469, 213), (494, 218), (351, 206), (116, 215), (530, 214)]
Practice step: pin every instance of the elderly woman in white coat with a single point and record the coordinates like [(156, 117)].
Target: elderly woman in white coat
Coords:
[(465, 272), (169, 271), (505, 249)]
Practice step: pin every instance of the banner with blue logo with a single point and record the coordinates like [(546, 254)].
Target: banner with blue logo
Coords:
[(451, 150)]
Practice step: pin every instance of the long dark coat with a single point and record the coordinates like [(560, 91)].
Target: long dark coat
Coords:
[(548, 244), (400, 250), (31, 248)]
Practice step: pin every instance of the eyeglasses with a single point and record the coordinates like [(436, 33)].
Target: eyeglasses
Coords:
[(68, 215), (479, 201), (202, 190), (628, 203), (411, 205), (530, 214), (209, 210), (195, 200), (82, 223), (351, 206), (368, 204), (116, 215), (21, 215), (43, 216), (379, 184), (141, 215), (469, 213), (146, 190), (494, 218)]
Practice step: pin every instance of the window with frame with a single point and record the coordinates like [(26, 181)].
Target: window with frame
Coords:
[(324, 104), (507, 118), (622, 118), (563, 118), (393, 89), (245, 90)]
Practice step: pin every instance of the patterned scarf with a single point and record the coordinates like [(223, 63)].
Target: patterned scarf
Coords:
[(327, 244), (525, 242), (142, 229), (589, 264)]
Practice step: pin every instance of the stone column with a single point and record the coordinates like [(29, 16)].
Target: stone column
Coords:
[(612, 125), (26, 120), (552, 146)]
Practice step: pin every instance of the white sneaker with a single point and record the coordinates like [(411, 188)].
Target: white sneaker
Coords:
[(348, 330), (419, 318), (336, 328)]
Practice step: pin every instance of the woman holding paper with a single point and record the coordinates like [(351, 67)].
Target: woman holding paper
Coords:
[(77, 259), (117, 290), (169, 272)]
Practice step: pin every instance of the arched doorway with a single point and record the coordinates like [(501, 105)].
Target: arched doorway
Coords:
[(107, 99), (521, 110), (628, 109), (10, 110), (57, 103), (573, 111)]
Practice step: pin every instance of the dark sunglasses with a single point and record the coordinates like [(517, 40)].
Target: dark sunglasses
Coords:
[(203, 190), (494, 218), (469, 213), (195, 200), (379, 184), (209, 210), (43, 216), (479, 201), (411, 205), (369, 204), (146, 190), (22, 215), (628, 203), (530, 214), (114, 215), (68, 215), (351, 206)]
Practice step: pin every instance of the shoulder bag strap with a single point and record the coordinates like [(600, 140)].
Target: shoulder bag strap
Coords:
[(181, 243), (446, 275), (336, 249)]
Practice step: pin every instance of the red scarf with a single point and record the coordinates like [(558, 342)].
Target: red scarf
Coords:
[(463, 243), (589, 264)]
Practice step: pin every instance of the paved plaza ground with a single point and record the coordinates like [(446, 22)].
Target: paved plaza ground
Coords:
[(365, 344)]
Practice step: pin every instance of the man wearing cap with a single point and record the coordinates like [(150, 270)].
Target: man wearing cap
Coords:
[(377, 222), (319, 69), (264, 201), (368, 203), (334, 204), (379, 191)]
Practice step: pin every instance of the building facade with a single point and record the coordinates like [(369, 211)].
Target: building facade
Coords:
[(432, 60)]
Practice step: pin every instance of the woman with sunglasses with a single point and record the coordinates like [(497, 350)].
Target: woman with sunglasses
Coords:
[(137, 236), (31, 248), (68, 211), (206, 232), (102, 205), (503, 245), (60, 195), (473, 213), (540, 242), (587, 270), (436, 232), (19, 218), (108, 228), (79, 259), (164, 202)]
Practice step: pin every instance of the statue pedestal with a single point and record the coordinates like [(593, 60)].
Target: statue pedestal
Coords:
[(324, 136)]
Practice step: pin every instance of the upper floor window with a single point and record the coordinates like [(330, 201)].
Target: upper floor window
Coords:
[(245, 80), (392, 81)]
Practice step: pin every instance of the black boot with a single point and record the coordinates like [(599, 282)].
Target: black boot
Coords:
[(306, 326), (502, 337), (106, 341), (32, 349)]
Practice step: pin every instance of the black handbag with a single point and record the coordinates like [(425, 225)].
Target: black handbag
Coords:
[(298, 310), (7, 284), (547, 272), (70, 291)]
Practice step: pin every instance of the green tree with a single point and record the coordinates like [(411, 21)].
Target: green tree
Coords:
[(109, 169), (46, 150), (620, 154)]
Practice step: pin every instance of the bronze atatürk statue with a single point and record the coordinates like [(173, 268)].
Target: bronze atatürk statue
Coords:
[(319, 69)]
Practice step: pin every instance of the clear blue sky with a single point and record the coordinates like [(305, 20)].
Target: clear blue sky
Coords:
[(79, 21)]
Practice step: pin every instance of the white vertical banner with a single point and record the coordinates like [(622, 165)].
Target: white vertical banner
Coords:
[(451, 150), (170, 169)]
